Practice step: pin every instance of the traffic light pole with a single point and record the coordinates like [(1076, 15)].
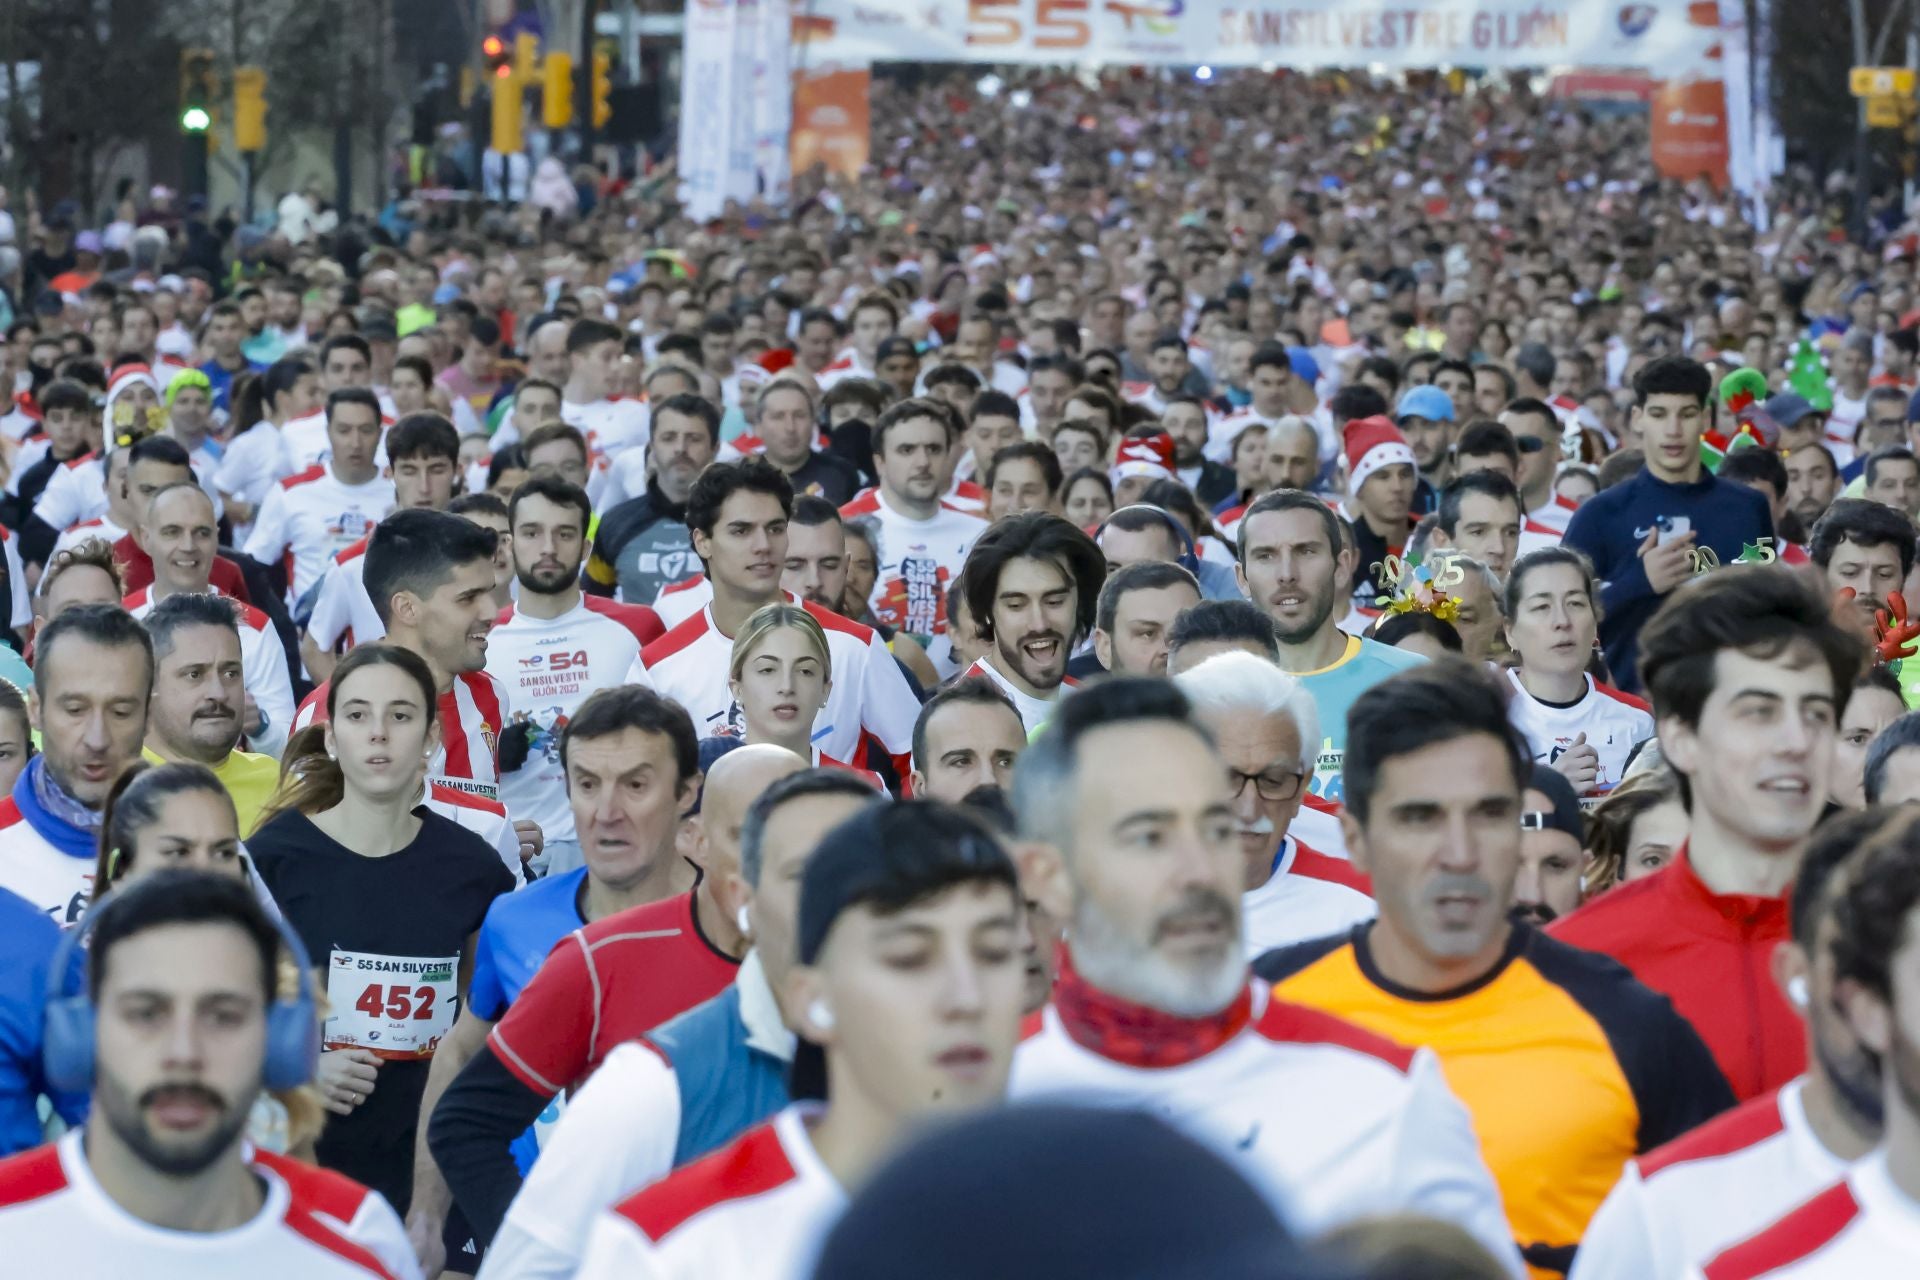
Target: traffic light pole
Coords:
[(583, 83)]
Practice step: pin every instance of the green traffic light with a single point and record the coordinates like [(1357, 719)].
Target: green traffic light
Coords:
[(195, 120)]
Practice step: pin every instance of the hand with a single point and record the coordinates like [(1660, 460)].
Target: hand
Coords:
[(424, 1233), (1579, 764), (346, 1079), (1893, 635), (1667, 564), (241, 511), (532, 839), (251, 721)]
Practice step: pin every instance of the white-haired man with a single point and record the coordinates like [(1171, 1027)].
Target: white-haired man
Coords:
[(1265, 728)]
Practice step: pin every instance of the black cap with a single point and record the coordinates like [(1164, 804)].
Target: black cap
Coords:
[(1565, 814), (1054, 1192)]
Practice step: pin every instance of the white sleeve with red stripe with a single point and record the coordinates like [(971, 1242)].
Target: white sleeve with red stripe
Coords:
[(17, 578), (888, 708), (634, 1094), (263, 663), (68, 498), (272, 532), (619, 1250)]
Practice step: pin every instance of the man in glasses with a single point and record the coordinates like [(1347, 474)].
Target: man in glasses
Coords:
[(1265, 727), (1536, 433)]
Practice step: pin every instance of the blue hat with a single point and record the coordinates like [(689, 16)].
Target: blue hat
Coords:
[(1427, 402), (1786, 408), (1304, 365)]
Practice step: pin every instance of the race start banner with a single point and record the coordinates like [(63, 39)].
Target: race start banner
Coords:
[(1652, 35)]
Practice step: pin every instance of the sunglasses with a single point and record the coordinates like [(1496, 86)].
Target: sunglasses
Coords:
[(1529, 444)]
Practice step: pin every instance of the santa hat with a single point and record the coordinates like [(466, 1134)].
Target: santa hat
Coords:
[(123, 378), (1373, 443), (1150, 456)]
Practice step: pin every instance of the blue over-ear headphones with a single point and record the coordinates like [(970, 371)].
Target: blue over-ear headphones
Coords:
[(1188, 559), (293, 1026)]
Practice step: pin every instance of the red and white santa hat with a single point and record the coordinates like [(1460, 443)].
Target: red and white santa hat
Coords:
[(1150, 456), (123, 378), (1373, 443)]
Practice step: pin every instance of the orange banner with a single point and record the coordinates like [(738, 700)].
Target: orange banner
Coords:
[(830, 121), (1690, 130)]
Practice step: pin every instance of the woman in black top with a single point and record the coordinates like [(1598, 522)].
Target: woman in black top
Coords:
[(386, 896)]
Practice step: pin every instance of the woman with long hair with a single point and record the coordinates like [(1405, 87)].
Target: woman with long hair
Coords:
[(388, 897), (1636, 830), (1574, 723), (1087, 498), (253, 459), (780, 674), (179, 816)]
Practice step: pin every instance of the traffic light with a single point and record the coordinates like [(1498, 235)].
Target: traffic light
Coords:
[(556, 93), (526, 58), (249, 108), (196, 90), (494, 51), (506, 113), (602, 89)]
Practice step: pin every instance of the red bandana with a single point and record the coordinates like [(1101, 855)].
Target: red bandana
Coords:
[(1136, 1035)]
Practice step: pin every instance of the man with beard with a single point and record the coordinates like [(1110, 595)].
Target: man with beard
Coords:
[(93, 676), (1033, 585), (642, 544), (550, 649), (1686, 1201), (1749, 676), (1263, 724), (1551, 858), (1812, 484), (1185, 419), (785, 420), (198, 692), (1130, 818), (1865, 547), (178, 1031), (1434, 786), (178, 534), (1864, 1224), (1291, 562)]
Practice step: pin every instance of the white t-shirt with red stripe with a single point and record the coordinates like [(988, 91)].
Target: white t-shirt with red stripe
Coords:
[(100, 527), (485, 818), (1684, 1202), (1864, 1226), (678, 601), (1554, 515), (57, 1220), (869, 695), (311, 516), (548, 666), (343, 614), (1613, 722), (471, 715), (58, 883), (1034, 712), (304, 442), (1308, 896), (917, 561), (76, 491), (610, 426), (263, 666), (757, 1209)]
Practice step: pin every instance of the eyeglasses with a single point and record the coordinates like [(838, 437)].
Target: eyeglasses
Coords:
[(1271, 785)]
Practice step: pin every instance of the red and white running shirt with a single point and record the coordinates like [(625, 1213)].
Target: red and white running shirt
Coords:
[(548, 666), (53, 880), (471, 715), (1034, 712), (1863, 1226), (610, 426), (304, 443), (918, 560), (485, 818), (1613, 722), (689, 664), (310, 517), (1682, 1203), (76, 491), (1308, 896), (343, 613), (757, 1209), (56, 1219), (678, 601), (263, 668)]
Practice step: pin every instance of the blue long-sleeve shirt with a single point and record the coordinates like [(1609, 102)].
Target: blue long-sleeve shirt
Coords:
[(28, 939), (1611, 525)]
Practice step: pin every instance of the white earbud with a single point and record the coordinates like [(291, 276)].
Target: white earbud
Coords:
[(746, 925), (819, 1015), (1797, 991)]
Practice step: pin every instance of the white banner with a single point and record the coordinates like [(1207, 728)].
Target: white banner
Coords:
[(1307, 34), (706, 90), (773, 100)]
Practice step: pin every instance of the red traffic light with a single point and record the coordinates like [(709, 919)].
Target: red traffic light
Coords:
[(493, 46), (502, 71)]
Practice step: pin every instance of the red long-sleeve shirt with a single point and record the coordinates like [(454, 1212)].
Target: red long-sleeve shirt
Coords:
[(1711, 954)]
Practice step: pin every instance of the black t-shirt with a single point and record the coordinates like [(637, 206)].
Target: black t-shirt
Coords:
[(386, 936), (828, 477)]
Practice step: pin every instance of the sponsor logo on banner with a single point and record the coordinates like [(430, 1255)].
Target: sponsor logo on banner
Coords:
[(1637, 19)]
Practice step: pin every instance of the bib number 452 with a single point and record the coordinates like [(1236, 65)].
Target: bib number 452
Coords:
[(396, 1002)]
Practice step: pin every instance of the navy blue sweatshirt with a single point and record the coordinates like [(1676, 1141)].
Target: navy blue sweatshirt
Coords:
[(1612, 524)]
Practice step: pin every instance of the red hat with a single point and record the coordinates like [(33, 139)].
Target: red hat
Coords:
[(1144, 456), (776, 360), (1373, 443)]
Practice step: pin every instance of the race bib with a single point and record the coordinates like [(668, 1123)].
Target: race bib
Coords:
[(392, 1006)]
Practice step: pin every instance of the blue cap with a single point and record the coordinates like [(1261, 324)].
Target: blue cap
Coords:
[(446, 293), (1427, 402), (1786, 408), (1305, 367)]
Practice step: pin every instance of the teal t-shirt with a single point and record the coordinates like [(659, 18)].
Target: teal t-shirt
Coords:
[(1334, 688)]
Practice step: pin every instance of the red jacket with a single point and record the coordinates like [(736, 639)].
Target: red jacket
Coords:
[(1711, 954)]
